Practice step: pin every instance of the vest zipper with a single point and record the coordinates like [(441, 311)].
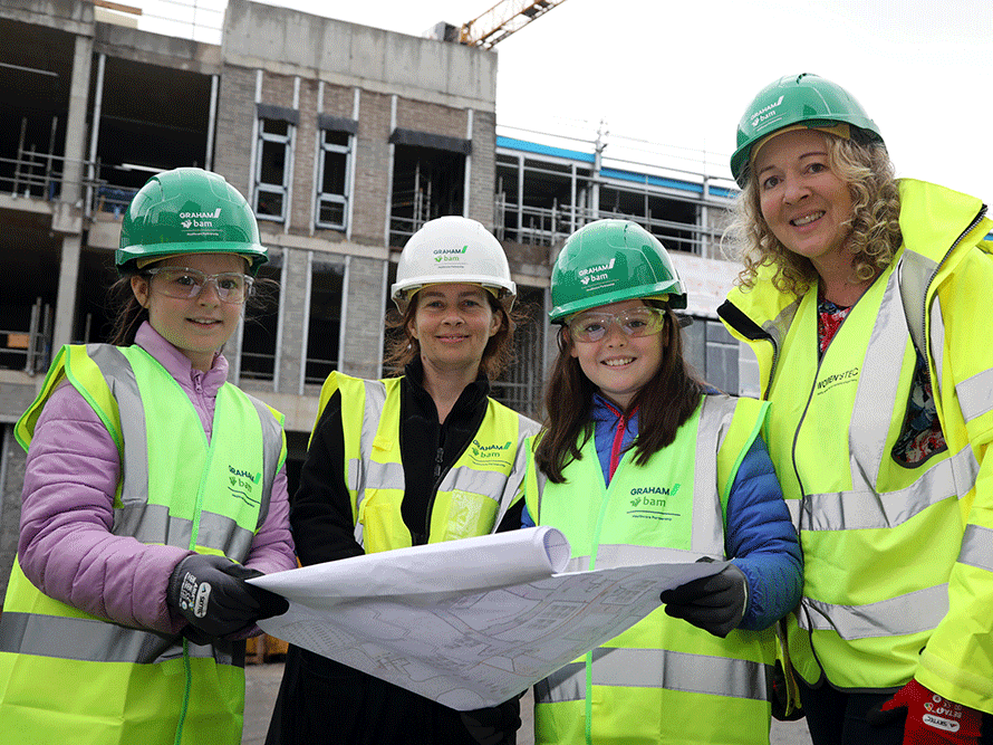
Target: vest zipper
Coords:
[(439, 477)]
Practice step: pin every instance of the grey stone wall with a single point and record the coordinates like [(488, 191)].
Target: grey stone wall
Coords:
[(364, 318)]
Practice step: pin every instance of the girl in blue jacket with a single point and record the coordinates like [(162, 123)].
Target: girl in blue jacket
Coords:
[(638, 461)]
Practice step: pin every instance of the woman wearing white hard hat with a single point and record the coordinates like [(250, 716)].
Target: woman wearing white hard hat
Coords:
[(390, 466), (866, 300)]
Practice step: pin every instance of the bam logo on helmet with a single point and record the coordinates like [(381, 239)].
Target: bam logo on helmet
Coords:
[(449, 254), (593, 273)]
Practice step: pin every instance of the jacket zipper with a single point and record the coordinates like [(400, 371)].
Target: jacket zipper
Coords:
[(927, 288)]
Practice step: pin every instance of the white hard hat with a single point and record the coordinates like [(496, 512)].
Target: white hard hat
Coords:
[(453, 249)]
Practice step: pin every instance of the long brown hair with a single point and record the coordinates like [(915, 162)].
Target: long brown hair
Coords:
[(664, 403), (402, 348)]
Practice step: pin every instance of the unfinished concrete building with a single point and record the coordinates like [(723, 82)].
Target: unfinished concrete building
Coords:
[(345, 139)]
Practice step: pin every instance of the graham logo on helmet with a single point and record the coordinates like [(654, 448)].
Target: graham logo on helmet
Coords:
[(608, 261), (804, 100), (184, 211), (762, 114)]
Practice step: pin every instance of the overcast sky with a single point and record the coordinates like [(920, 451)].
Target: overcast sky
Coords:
[(680, 74)]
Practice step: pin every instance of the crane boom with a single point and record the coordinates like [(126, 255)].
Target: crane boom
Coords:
[(502, 20)]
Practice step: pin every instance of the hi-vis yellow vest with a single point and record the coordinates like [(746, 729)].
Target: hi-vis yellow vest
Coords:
[(662, 680), (898, 561), (125, 685), (471, 497)]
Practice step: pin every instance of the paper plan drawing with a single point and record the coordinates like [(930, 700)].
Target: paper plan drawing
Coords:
[(469, 623)]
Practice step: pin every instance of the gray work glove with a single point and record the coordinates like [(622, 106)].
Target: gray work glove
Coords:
[(715, 603), (211, 593)]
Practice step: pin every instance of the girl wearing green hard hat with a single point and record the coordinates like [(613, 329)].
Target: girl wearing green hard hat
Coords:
[(637, 462), (153, 490), (866, 300)]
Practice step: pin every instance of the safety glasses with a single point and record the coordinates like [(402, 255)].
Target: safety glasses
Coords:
[(593, 326), (182, 282)]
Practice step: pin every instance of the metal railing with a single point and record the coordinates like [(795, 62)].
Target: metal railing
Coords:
[(41, 176), (29, 350), (544, 226)]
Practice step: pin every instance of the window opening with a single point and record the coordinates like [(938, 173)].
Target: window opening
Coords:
[(427, 183), (273, 167), (258, 343), (332, 197), (325, 321)]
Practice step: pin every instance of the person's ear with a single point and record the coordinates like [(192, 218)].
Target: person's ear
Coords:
[(139, 286), (567, 342), (496, 323)]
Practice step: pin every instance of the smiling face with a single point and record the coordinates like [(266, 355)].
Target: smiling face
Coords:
[(618, 364), (198, 326), (804, 203), (452, 324)]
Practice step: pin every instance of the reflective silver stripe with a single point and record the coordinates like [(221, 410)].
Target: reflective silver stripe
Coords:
[(780, 325), (977, 547), (98, 641), (272, 448), (485, 483), (913, 613), (793, 505), (121, 380), (541, 478), (658, 668), (383, 475), (976, 395), (913, 271), (708, 518), (862, 510), (151, 523), (937, 345), (515, 480), (358, 469), (877, 386), (565, 684), (621, 555)]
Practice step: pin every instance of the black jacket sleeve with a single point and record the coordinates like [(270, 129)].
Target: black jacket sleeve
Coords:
[(321, 510)]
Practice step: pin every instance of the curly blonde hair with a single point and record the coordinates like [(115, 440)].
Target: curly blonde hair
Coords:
[(875, 221)]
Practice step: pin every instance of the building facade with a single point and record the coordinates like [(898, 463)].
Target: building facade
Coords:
[(345, 139)]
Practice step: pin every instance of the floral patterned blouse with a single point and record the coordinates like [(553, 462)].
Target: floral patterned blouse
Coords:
[(921, 436)]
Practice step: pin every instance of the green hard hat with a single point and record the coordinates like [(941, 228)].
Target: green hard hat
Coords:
[(608, 261), (188, 210), (797, 99)]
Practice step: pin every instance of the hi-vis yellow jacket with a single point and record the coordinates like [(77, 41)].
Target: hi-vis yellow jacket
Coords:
[(471, 497), (898, 561), (176, 489), (662, 680)]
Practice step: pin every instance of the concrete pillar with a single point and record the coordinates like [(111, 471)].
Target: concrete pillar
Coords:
[(65, 304), (294, 314), (75, 144), (363, 326)]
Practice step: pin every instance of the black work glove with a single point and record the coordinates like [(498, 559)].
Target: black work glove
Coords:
[(495, 725), (715, 603), (211, 593)]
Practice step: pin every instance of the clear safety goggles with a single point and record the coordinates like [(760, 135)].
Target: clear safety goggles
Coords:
[(185, 283), (593, 326)]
